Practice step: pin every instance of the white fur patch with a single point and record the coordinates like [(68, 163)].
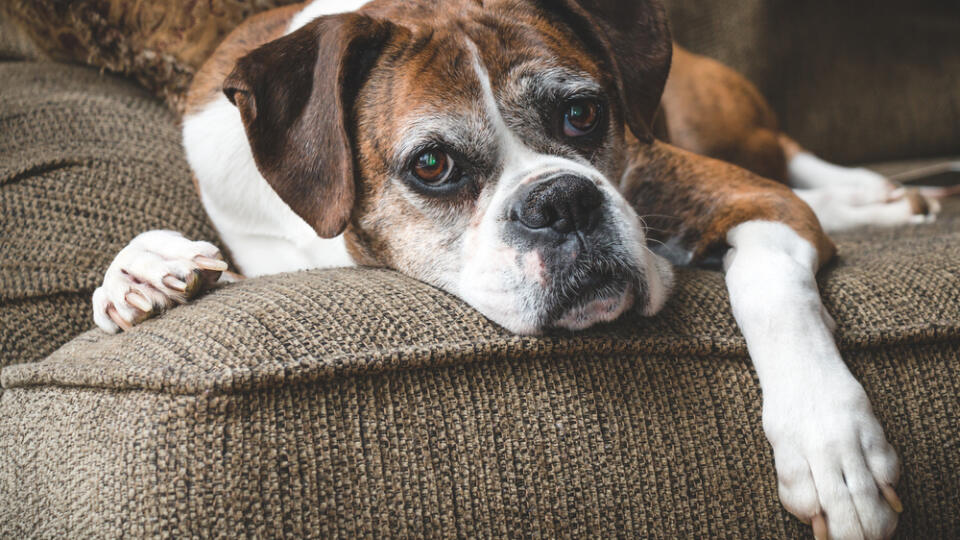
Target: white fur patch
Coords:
[(830, 451), (319, 8), (264, 235), (845, 208), (807, 171)]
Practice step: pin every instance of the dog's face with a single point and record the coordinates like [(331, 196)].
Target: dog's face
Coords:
[(473, 146)]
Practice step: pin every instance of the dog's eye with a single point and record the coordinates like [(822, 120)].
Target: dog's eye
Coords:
[(580, 117), (433, 167)]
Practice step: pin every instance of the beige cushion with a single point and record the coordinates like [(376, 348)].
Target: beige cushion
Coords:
[(87, 162)]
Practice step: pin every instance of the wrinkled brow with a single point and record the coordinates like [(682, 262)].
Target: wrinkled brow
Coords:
[(468, 133), (531, 80)]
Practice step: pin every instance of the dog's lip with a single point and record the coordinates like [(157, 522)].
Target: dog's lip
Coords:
[(597, 295), (604, 307)]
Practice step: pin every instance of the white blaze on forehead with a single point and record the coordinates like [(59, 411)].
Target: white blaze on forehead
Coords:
[(514, 152)]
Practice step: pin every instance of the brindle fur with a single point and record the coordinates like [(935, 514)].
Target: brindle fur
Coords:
[(689, 202), (685, 197)]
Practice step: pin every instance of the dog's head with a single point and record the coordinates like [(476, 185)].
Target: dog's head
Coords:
[(476, 146)]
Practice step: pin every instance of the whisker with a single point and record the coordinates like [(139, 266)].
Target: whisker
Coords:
[(661, 216), (655, 240)]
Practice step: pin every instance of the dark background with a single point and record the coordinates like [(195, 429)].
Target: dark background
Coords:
[(852, 81)]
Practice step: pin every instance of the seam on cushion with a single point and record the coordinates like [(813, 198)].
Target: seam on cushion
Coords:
[(233, 381), (12, 176)]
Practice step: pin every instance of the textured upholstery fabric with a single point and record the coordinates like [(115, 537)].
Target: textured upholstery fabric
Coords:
[(534, 439), (86, 163), (361, 403)]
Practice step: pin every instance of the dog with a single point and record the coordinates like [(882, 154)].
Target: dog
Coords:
[(505, 151)]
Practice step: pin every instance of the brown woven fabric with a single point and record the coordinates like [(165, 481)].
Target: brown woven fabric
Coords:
[(361, 403), (87, 162)]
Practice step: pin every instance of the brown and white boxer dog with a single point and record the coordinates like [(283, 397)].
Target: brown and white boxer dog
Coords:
[(509, 152)]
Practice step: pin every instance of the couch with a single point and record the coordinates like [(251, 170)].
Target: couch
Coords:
[(360, 403)]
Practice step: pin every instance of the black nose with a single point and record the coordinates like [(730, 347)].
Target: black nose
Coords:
[(565, 204)]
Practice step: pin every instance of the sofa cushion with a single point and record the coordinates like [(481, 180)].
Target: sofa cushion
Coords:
[(87, 162), (358, 402)]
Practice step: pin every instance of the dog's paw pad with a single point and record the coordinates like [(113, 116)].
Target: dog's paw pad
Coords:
[(157, 270)]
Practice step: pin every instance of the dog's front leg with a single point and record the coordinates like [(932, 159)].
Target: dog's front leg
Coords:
[(835, 468), (831, 456), (157, 270)]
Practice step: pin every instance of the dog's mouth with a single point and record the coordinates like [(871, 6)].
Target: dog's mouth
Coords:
[(600, 293)]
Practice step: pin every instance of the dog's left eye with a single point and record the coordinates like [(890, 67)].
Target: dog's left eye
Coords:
[(433, 167), (580, 117)]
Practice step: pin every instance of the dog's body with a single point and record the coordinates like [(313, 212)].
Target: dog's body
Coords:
[(504, 151)]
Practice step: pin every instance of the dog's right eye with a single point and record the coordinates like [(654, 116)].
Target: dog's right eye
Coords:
[(433, 167)]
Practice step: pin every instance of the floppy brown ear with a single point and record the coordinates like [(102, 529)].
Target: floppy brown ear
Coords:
[(295, 95), (633, 40)]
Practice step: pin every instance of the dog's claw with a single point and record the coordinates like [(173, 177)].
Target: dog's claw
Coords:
[(891, 496), (139, 301), (820, 527), (208, 263), (116, 318), (157, 270), (175, 283)]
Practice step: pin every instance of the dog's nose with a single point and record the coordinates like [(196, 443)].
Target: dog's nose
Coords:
[(565, 204)]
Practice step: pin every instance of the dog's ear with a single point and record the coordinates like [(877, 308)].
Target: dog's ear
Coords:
[(295, 95), (632, 39)]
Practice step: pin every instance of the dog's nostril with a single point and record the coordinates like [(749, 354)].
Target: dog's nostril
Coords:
[(564, 204)]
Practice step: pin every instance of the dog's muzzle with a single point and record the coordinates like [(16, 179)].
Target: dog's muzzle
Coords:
[(588, 276)]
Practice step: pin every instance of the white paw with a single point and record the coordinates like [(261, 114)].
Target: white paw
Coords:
[(842, 208), (158, 269), (861, 196), (835, 469)]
